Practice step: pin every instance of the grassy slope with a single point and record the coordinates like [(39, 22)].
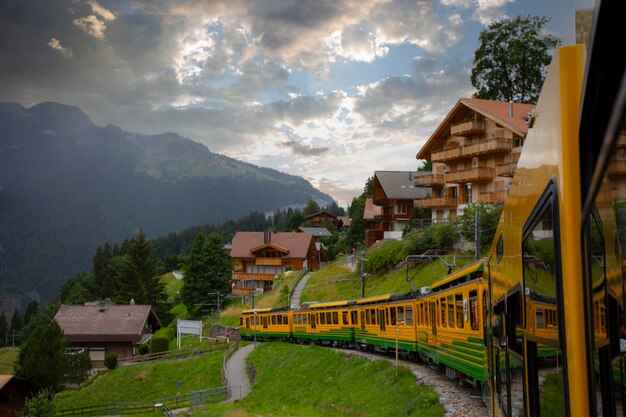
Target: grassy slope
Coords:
[(147, 382), (7, 357), (309, 381)]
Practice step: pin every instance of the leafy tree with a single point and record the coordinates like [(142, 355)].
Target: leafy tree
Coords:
[(208, 270), (79, 289), (41, 404), (511, 61), (311, 208), (489, 217), (428, 166), (139, 279), (78, 367), (42, 357)]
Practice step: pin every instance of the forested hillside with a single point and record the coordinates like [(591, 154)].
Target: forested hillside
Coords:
[(67, 186)]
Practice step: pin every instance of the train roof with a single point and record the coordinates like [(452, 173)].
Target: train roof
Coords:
[(384, 298), (256, 310), (333, 304), (461, 275)]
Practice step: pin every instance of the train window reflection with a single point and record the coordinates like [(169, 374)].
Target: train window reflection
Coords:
[(547, 390)]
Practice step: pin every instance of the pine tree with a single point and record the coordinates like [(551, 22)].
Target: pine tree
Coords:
[(16, 322), (4, 328), (138, 279), (208, 270), (42, 357), (32, 309)]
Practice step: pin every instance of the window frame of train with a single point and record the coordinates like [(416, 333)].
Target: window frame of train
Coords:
[(543, 220)]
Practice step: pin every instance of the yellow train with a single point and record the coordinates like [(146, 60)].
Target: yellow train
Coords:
[(444, 326)]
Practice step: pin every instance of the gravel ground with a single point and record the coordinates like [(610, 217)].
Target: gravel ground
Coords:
[(458, 401)]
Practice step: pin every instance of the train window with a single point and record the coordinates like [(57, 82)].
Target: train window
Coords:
[(499, 248), (335, 317), (458, 300), (373, 316), (264, 320), (322, 318), (362, 320), (451, 310), (442, 316), (304, 319), (273, 320), (409, 316), (392, 312), (367, 317), (329, 319), (344, 317), (542, 285), (400, 314), (313, 320), (473, 309), (353, 317), (285, 319), (247, 322)]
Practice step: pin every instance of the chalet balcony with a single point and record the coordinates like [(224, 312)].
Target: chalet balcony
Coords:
[(492, 197), (506, 169), (616, 169), (242, 291), (434, 180), (268, 261), (436, 202), (446, 155), (469, 127), (382, 217), (481, 174), (488, 147), (245, 276)]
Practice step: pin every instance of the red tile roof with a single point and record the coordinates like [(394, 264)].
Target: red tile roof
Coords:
[(297, 243), (102, 322), (345, 219), (495, 110), (371, 210)]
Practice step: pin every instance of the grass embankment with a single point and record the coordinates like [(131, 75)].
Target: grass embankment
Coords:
[(337, 283), (147, 382), (309, 381), (8, 356)]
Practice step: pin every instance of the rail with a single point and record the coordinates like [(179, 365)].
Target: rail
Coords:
[(227, 355), (173, 354), (141, 407)]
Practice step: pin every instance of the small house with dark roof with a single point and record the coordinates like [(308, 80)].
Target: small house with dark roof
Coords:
[(394, 194), (13, 393), (259, 257), (474, 152), (321, 219), (104, 328), (317, 232)]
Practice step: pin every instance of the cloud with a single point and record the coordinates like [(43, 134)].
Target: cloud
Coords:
[(302, 148), (489, 11), (56, 45), (92, 25)]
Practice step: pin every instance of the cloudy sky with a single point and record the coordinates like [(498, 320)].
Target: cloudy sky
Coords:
[(327, 89)]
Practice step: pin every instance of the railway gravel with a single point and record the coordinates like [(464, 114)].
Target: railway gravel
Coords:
[(458, 401)]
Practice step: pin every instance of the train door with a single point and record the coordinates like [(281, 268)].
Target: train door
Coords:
[(264, 322), (433, 315), (382, 321)]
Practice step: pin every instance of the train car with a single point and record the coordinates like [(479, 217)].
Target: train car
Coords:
[(555, 271), (331, 322), (266, 323)]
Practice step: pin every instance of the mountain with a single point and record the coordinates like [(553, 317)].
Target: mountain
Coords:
[(67, 186)]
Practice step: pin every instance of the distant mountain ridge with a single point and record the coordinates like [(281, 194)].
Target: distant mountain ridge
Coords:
[(68, 185)]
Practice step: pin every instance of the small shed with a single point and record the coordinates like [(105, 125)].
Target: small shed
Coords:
[(13, 393), (102, 328)]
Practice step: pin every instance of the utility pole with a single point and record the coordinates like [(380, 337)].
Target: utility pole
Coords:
[(363, 274), (477, 235)]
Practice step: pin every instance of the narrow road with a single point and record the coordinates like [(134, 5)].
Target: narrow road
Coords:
[(295, 299), (238, 383)]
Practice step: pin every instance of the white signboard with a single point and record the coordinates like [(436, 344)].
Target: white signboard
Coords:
[(188, 327)]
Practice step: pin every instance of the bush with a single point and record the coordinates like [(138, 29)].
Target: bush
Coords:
[(41, 405), (143, 349), (168, 333), (159, 344), (437, 236), (78, 367), (110, 361), (385, 258)]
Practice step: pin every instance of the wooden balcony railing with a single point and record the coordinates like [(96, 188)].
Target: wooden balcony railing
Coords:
[(492, 197), (242, 291), (487, 147), (434, 180), (446, 155), (480, 174), (469, 127), (382, 217), (506, 169), (617, 168), (268, 261), (436, 202), (244, 276)]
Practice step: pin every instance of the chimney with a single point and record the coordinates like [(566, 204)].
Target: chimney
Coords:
[(510, 109), (267, 237)]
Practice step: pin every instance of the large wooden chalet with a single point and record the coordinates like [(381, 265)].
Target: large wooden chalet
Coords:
[(259, 257)]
